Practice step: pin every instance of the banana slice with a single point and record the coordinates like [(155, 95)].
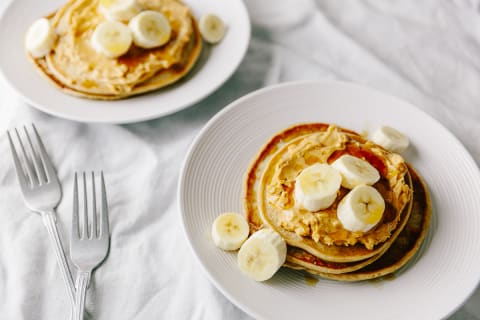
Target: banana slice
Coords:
[(361, 209), (111, 38), (212, 28), (316, 186), (391, 139), (262, 255), (40, 38), (229, 231), (150, 29), (355, 171), (121, 10)]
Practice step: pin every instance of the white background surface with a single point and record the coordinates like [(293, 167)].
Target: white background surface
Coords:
[(426, 52)]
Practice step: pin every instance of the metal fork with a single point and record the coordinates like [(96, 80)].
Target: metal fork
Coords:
[(41, 191), (88, 246)]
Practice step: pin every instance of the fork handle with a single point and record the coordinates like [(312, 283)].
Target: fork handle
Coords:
[(50, 223), (83, 278)]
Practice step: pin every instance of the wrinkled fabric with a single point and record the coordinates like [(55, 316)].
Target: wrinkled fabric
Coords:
[(426, 52)]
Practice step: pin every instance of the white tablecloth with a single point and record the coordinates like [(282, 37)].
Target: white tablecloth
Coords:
[(426, 52)]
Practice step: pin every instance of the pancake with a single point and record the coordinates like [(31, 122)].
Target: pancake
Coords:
[(404, 247), (393, 186), (75, 67)]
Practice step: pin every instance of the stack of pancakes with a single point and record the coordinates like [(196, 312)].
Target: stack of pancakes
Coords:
[(75, 66), (316, 241)]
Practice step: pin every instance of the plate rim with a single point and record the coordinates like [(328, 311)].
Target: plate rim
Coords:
[(137, 118), (234, 104)]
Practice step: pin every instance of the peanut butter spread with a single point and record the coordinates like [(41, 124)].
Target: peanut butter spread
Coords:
[(76, 67), (76, 63), (323, 226)]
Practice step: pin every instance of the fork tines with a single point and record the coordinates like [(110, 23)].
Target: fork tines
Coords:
[(85, 226), (33, 161)]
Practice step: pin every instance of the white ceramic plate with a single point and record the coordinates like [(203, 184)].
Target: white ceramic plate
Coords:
[(214, 67), (438, 280)]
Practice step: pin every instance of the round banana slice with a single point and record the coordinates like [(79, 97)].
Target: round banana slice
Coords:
[(316, 186), (150, 29), (361, 209), (121, 10), (355, 171), (212, 28), (229, 231), (262, 254), (111, 38), (391, 139), (40, 38)]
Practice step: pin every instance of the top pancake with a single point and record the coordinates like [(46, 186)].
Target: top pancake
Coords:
[(77, 68), (270, 181)]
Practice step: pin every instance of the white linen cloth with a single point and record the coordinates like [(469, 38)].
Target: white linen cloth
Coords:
[(426, 52)]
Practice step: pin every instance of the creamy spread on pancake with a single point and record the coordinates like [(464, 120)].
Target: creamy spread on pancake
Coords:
[(74, 64), (323, 225)]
